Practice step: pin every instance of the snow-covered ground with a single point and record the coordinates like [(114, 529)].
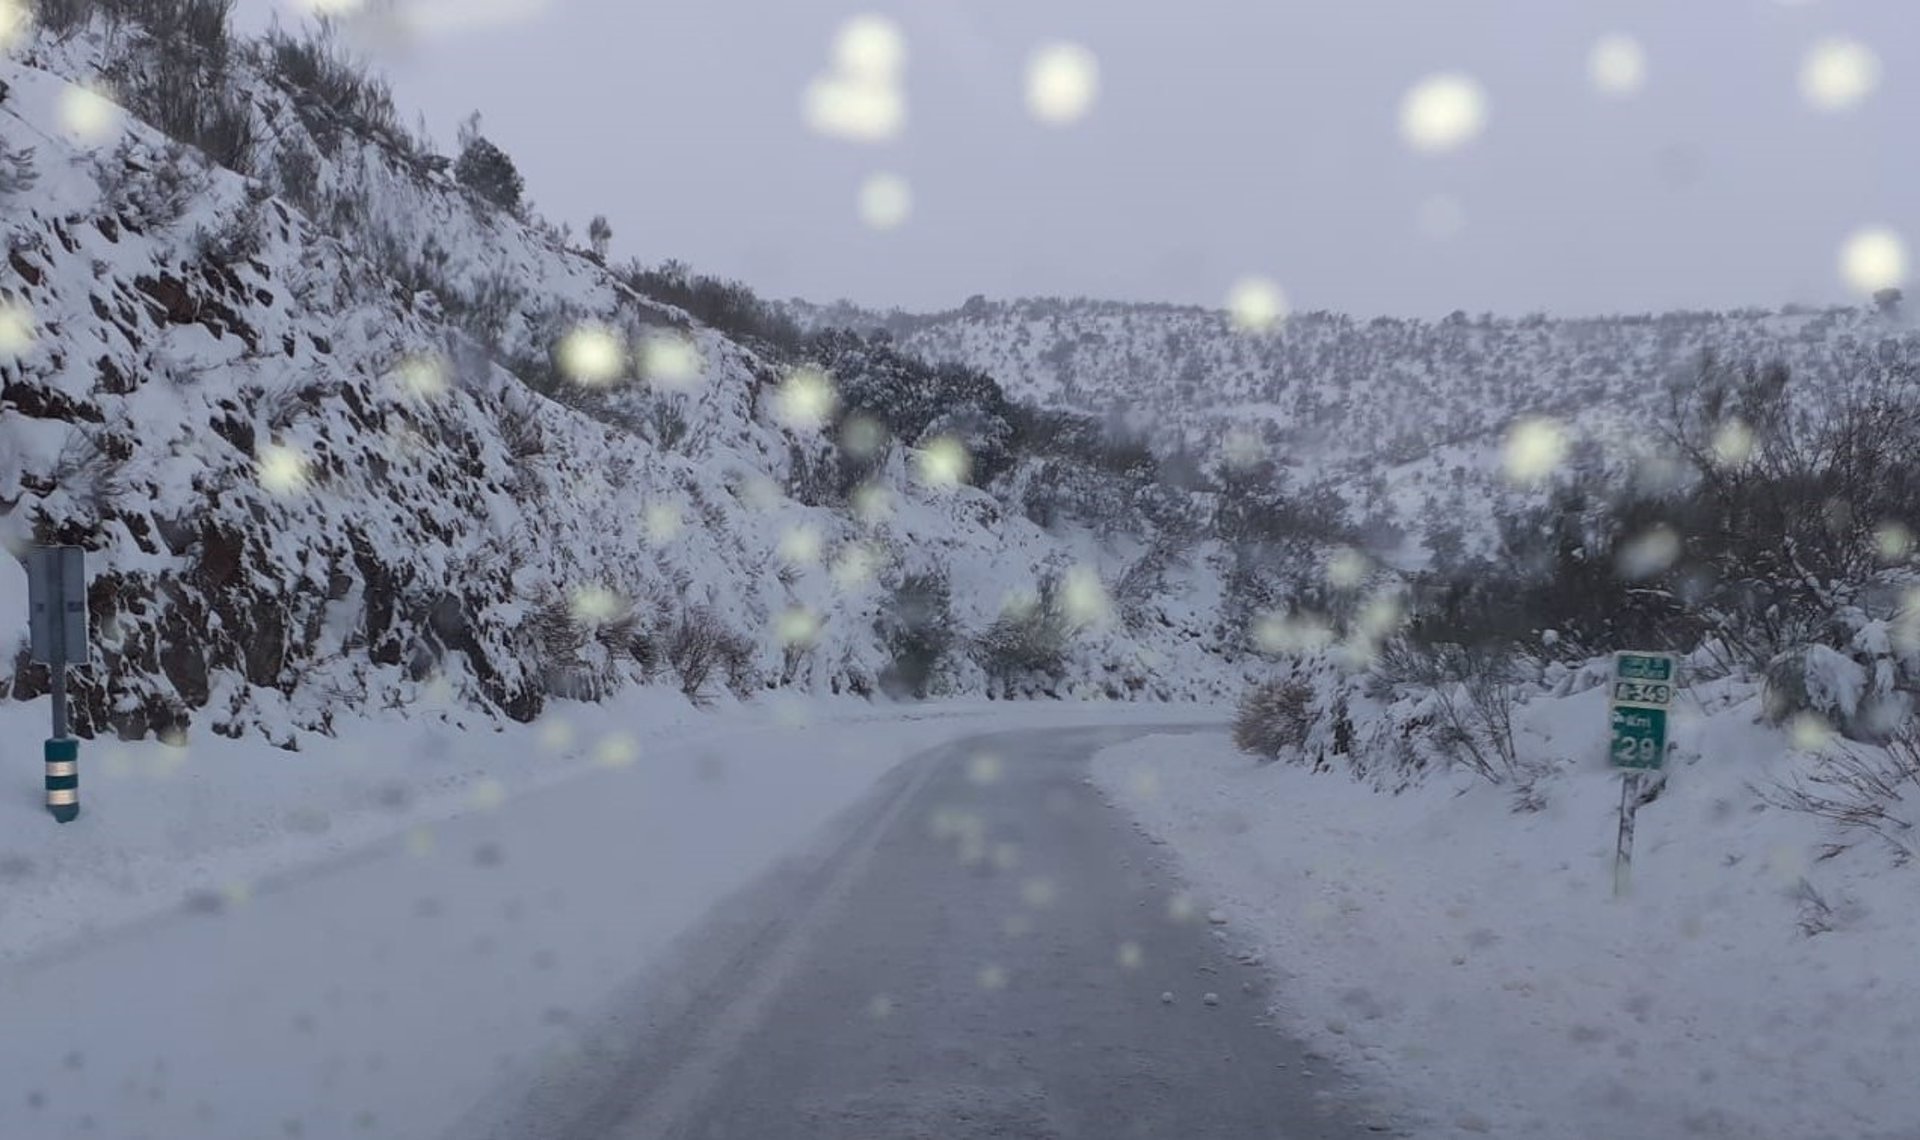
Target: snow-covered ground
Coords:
[(1474, 963)]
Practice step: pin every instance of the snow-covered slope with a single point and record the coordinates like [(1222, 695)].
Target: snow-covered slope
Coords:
[(305, 487)]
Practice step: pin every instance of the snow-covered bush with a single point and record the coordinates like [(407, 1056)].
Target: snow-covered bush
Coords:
[(17, 172), (295, 174), (1027, 641), (236, 238), (667, 421), (1274, 718), (1465, 698), (917, 628), (729, 306), (198, 111), (173, 72), (1142, 583), (700, 643), (1056, 491), (149, 189), (559, 637), (335, 95), (737, 652), (1864, 792), (487, 171)]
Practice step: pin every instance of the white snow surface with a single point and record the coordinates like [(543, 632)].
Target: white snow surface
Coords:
[(1473, 964)]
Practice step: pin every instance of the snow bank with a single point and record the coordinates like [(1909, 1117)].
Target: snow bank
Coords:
[(1474, 961)]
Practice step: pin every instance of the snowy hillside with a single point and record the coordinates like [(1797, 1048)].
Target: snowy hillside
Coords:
[(339, 432), (1406, 417)]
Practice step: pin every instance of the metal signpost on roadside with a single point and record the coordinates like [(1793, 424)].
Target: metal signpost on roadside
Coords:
[(1643, 685), (57, 608)]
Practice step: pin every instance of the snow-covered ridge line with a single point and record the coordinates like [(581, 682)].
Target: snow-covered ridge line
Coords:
[(1406, 417)]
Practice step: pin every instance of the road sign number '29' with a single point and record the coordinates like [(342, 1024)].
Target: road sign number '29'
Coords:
[(1642, 692)]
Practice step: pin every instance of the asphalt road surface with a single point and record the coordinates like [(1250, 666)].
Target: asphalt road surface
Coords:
[(982, 948)]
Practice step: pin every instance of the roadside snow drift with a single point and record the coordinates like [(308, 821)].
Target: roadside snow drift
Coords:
[(1472, 960)]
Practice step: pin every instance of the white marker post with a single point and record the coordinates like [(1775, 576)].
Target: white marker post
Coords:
[(1643, 685), (57, 609)]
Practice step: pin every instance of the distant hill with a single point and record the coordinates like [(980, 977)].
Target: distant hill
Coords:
[(1404, 417)]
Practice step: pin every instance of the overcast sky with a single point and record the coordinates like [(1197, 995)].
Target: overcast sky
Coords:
[(1229, 137)]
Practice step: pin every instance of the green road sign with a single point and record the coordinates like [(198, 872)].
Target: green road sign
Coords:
[(1643, 667), (1643, 686), (1639, 738), (1658, 693)]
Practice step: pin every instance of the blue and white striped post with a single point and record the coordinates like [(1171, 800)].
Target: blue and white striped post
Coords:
[(63, 779), (57, 604), (63, 756)]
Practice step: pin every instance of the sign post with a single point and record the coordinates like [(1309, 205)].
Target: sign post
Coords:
[(57, 608), (1643, 685)]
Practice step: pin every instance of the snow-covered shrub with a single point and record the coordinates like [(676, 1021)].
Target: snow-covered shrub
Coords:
[(334, 93), (982, 432), (814, 475), (729, 306), (599, 237), (525, 442), (1028, 640), (1864, 792), (736, 652), (17, 172), (667, 422), (692, 647), (1274, 717), (1817, 679), (916, 626), (1464, 704), (1141, 584), (1058, 490), (487, 171), (559, 638), (62, 16), (173, 73), (146, 190), (237, 238), (296, 175), (198, 111), (422, 270), (488, 308), (698, 644), (1863, 689)]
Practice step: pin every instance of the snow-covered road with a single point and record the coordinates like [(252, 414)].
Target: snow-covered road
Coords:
[(387, 988), (984, 949)]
